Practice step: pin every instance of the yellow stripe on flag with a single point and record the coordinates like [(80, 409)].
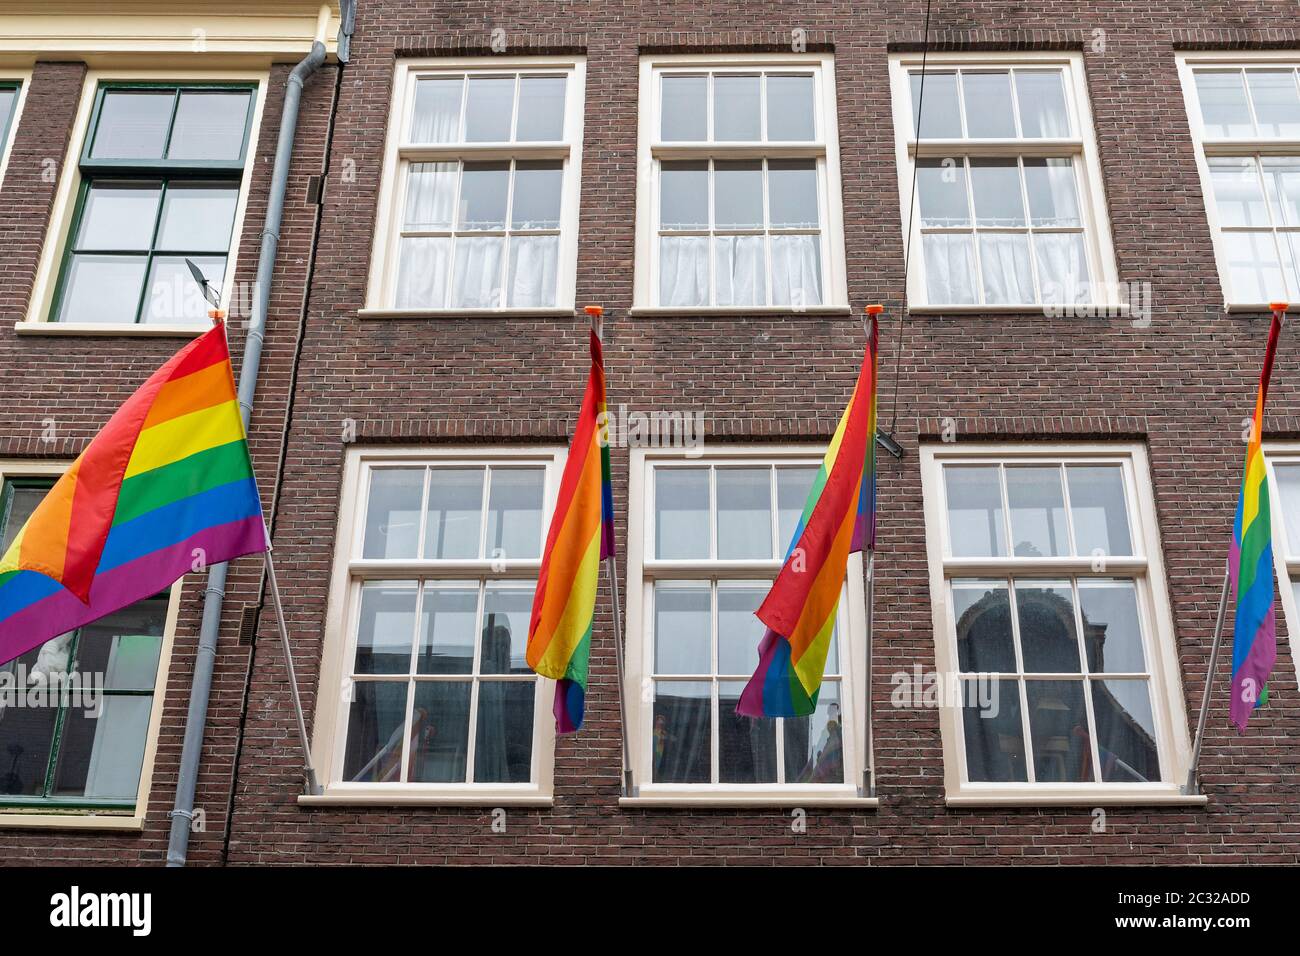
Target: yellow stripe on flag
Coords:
[(186, 435), (576, 618)]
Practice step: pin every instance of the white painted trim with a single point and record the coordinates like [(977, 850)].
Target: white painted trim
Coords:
[(1287, 566), (849, 800), (24, 78), (97, 329)]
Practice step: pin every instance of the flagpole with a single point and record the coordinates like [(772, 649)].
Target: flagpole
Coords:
[(313, 785), (868, 785), (611, 571), (1190, 787)]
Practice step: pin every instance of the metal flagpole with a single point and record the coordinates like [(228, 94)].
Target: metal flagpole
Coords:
[(611, 570), (868, 786), (1190, 787), (313, 785)]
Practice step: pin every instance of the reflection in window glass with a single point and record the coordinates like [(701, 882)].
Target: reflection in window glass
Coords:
[(386, 629), (1038, 527), (1058, 725), (995, 747), (447, 621), (682, 731), (514, 518), (503, 744), (1099, 509), (982, 611), (975, 522), (439, 738), (1049, 642), (1126, 736), (1112, 629), (746, 746), (454, 514), (814, 746)]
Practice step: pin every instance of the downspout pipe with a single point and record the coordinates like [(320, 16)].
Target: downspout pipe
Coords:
[(182, 812)]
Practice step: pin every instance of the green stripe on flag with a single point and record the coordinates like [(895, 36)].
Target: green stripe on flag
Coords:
[(181, 479)]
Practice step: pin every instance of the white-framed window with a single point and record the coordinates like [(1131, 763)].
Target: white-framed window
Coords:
[(426, 691), (1283, 460), (1243, 110), (707, 536), (1009, 209), (478, 211), (1053, 634), (13, 91), (738, 201)]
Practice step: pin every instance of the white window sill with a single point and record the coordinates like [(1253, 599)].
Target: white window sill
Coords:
[(66, 820), (464, 313), (1247, 308), (109, 328), (1082, 310), (1078, 797), (718, 310), (406, 797), (704, 798)]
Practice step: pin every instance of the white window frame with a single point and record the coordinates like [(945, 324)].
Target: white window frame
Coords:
[(398, 153), (642, 571), (1205, 147), (24, 80), (825, 150), (1145, 567), (1081, 146), (329, 729), (56, 817), (1286, 564), (62, 211)]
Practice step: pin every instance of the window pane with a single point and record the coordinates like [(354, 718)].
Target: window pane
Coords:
[(740, 268), (1282, 177), (373, 751), (814, 745), (436, 118), (1224, 110), (684, 114), (102, 289), (536, 203), (738, 194), (1053, 199), (735, 108), (934, 107), (422, 273), (8, 97), (949, 269), (1058, 724), (792, 488), (682, 732), (25, 736), (1041, 96), (431, 196), (488, 109), (514, 528), (681, 513), (744, 513), (386, 628), (1037, 512), (988, 105), (796, 270), (197, 218), (1098, 509), (1049, 642), (1276, 100), (1254, 273), (1004, 264), (746, 745), (483, 191), (1238, 194), (447, 619), (1112, 630), (100, 757), (982, 612), (541, 109), (683, 629), (1126, 732), (210, 126), (975, 525), (995, 184), (995, 745), (684, 195), (1062, 261), (476, 283), (440, 731), (455, 513), (506, 612), (124, 646), (790, 113), (173, 294), (533, 263), (22, 502), (132, 125), (503, 746), (119, 215), (1288, 484), (739, 631), (683, 270), (393, 513), (941, 191), (792, 194)]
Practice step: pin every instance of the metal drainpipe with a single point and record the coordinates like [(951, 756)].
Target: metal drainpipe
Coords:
[(214, 596)]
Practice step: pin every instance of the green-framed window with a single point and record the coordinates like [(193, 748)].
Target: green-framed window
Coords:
[(161, 171), (9, 90), (55, 751)]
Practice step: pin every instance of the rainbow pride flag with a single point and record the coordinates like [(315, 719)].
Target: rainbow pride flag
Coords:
[(164, 489), (839, 517), (1250, 565), (580, 537)]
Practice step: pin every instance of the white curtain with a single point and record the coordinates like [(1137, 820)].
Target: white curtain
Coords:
[(949, 268), (1004, 260), (739, 267), (422, 273), (1062, 267), (533, 270), (796, 270), (477, 284), (683, 270), (430, 196), (437, 110)]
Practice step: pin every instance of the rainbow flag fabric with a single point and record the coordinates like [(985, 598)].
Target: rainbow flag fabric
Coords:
[(839, 517), (1250, 566), (164, 489), (581, 535)]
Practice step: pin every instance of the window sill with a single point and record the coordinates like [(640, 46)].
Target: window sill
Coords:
[(651, 311), (1152, 797), (525, 798), (63, 820), (1092, 310), (108, 328), (561, 312), (683, 799), (1247, 308)]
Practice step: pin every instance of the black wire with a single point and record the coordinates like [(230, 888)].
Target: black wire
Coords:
[(911, 206)]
